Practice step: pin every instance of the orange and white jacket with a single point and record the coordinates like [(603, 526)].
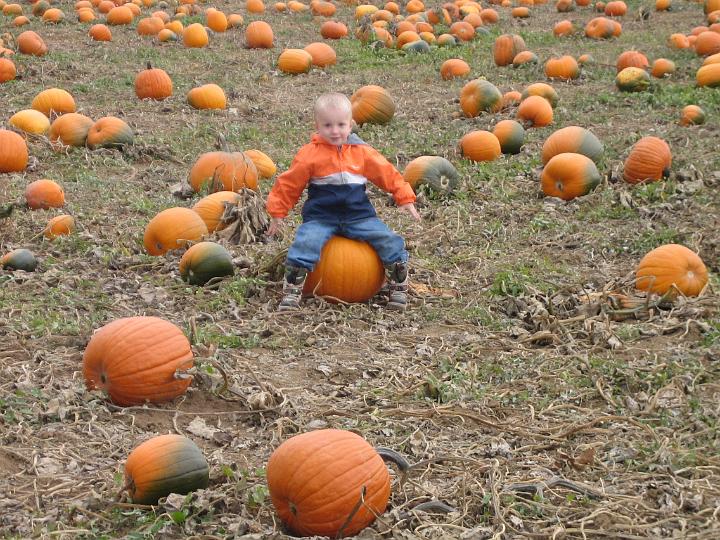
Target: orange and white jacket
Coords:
[(336, 177)]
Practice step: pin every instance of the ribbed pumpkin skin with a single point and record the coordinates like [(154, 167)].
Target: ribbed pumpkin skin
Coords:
[(348, 270), (211, 208), (564, 68), (372, 105), (30, 121), (669, 269), (207, 96), (294, 61), (316, 478), (109, 132), (31, 43), (100, 32), (59, 226), (479, 95), (708, 75), (511, 136), (134, 360), (223, 171), (153, 83), (454, 68), (53, 100), (535, 111), (435, 171), (692, 115), (573, 139), (173, 228), (333, 30), (568, 176), (44, 194), (506, 47), (322, 54), (631, 59), (543, 90), (205, 261), (70, 130), (480, 146), (265, 166), (19, 259), (259, 35), (649, 160), (13, 152), (632, 79), (163, 465)]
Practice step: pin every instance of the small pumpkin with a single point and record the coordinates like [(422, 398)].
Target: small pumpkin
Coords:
[(631, 59), (109, 132), (572, 139), (480, 145), (617, 8), (153, 83), (59, 226), (259, 35), (600, 28), (568, 176), (348, 270), (506, 47), (44, 194), (166, 35), (30, 121), (420, 46), (53, 100), (564, 28), (173, 228), (327, 482), (649, 160), (662, 67), (195, 36), (434, 171), (19, 259), (333, 30), (70, 129), (212, 207), (294, 61), (216, 20), (31, 43), (524, 58), (207, 96), (205, 261), (13, 152), (535, 111), (100, 32), (479, 95), (692, 115), (223, 171), (671, 269), (163, 465), (510, 99), (120, 16), (8, 71), (322, 54), (265, 166), (255, 6), (511, 136), (564, 68), (543, 90), (372, 105), (632, 79)]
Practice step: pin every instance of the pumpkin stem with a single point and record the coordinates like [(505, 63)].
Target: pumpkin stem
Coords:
[(149, 66), (361, 502), (129, 486)]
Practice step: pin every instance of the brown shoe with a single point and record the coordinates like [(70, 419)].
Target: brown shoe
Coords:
[(292, 288), (397, 285)]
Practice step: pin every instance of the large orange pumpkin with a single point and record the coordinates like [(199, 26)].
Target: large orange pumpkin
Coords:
[(318, 479), (649, 160), (8, 71), (478, 96), (223, 171), (544, 91), (568, 176), (564, 68), (163, 465), (153, 83), (135, 360), (671, 269), (100, 32), (573, 139), (632, 59), (207, 96), (173, 228), (348, 270), (53, 101), (333, 30), (195, 36), (13, 152), (708, 75), (44, 194), (322, 54), (31, 43), (535, 111), (259, 35), (480, 145), (70, 129), (294, 61), (372, 105), (109, 132), (692, 115), (506, 47), (454, 68)]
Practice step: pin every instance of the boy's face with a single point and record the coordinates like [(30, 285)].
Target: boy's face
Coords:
[(334, 125)]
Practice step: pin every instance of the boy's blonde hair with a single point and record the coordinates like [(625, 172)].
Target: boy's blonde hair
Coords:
[(332, 100)]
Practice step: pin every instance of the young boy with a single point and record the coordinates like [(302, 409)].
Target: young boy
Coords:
[(336, 165)]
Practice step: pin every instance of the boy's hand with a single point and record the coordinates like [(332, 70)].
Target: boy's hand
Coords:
[(410, 209), (275, 226)]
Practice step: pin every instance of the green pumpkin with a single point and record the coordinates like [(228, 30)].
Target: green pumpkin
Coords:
[(418, 46), (205, 261), (511, 135), (434, 171), (632, 79), (19, 259)]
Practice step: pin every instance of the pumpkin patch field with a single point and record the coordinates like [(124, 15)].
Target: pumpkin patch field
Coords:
[(556, 373)]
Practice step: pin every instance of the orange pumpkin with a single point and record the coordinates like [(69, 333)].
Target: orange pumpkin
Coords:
[(568, 176), (434, 171), (662, 67), (22, 20), (119, 16), (195, 36), (100, 32), (44, 194), (216, 20), (109, 132), (327, 482), (135, 360), (31, 43), (600, 28), (171, 229), (708, 75), (59, 226), (7, 70), (235, 20), (70, 129), (372, 105), (679, 41), (525, 57), (535, 111), (322, 54), (479, 95), (510, 99), (632, 59), (223, 171), (255, 6), (506, 47), (480, 146), (13, 152), (264, 165), (294, 61), (544, 91), (454, 68), (211, 208), (649, 160), (259, 35), (564, 28), (572, 139), (348, 270), (30, 121), (462, 30), (617, 8), (692, 115), (149, 26), (53, 100), (671, 269), (333, 30), (564, 68), (153, 83), (707, 43), (489, 16), (207, 96), (511, 136), (163, 465)]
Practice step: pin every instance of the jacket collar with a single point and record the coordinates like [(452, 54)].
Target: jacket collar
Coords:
[(352, 139)]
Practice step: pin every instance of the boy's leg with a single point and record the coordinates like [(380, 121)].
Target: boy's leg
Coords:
[(390, 247), (304, 252)]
